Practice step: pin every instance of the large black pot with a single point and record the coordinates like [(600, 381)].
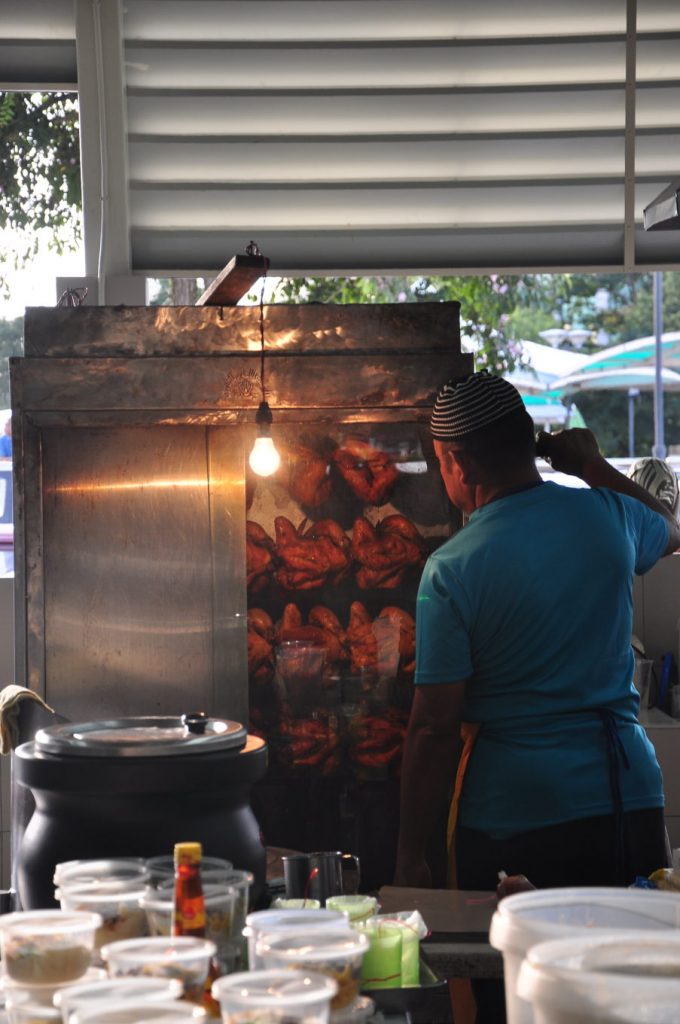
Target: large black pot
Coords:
[(110, 801)]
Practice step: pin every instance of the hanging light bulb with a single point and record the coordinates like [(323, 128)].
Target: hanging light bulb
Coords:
[(264, 458)]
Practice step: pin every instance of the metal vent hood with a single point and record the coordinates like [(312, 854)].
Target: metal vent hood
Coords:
[(663, 214)]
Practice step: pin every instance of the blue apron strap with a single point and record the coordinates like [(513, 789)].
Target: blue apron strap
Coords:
[(618, 759)]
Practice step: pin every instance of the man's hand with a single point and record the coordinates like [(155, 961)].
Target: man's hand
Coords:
[(576, 452), (569, 451)]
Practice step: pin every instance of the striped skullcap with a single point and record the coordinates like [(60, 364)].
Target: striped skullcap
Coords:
[(469, 403)]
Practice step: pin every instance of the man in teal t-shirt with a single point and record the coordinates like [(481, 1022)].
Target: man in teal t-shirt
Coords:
[(523, 632)]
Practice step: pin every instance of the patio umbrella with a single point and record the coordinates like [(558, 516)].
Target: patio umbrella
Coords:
[(640, 352), (612, 379), (547, 410)]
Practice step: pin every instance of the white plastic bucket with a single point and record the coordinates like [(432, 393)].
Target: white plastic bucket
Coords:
[(524, 920), (621, 976)]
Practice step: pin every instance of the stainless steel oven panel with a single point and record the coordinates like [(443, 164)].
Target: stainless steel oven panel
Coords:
[(143, 539)]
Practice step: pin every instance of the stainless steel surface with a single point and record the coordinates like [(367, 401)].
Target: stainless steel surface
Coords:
[(159, 736), (182, 330), (132, 543), (298, 381)]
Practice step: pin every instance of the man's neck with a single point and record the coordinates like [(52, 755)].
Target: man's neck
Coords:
[(512, 484)]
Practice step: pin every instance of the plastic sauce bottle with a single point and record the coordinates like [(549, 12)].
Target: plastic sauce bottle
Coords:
[(188, 908)]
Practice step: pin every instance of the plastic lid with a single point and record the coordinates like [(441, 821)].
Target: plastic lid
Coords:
[(354, 905), (128, 1013), (161, 736), (528, 918), (119, 990), (313, 946), (172, 949), (263, 919), (120, 871), (46, 923), (274, 988)]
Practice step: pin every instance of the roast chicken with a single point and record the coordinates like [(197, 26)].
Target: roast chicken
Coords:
[(307, 476), (363, 645), (370, 473), (405, 624), (381, 646), (378, 739), (259, 556), (310, 559), (260, 650), (384, 552), (323, 629), (309, 742)]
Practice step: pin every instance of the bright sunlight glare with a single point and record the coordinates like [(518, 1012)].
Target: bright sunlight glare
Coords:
[(36, 284)]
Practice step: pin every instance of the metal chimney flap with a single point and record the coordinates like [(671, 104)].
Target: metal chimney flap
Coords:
[(663, 213)]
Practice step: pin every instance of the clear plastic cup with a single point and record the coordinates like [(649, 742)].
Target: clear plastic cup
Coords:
[(291, 903), (262, 922), (242, 881), (182, 957), (274, 997), (115, 990), (220, 907), (147, 1013), (120, 910), (356, 907), (47, 947), (120, 872), (381, 967), (162, 869), (337, 954), (411, 933)]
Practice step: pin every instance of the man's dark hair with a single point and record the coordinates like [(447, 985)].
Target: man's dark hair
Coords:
[(507, 443)]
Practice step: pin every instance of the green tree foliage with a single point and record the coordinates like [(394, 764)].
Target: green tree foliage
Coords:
[(40, 169), (486, 304), (11, 344)]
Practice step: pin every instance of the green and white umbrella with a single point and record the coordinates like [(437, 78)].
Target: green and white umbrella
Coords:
[(634, 354), (616, 379), (548, 410)]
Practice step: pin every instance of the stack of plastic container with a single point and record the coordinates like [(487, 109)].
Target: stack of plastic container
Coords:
[(596, 915)]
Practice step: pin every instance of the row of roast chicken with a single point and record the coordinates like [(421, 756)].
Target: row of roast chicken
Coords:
[(325, 743), (368, 473), (315, 554), (369, 647)]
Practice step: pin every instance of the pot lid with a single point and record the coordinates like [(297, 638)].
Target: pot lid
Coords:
[(161, 736)]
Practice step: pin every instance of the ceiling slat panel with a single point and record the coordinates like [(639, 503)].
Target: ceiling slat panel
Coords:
[(417, 66), (361, 208), (415, 251), (371, 19), (385, 114), (461, 160)]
